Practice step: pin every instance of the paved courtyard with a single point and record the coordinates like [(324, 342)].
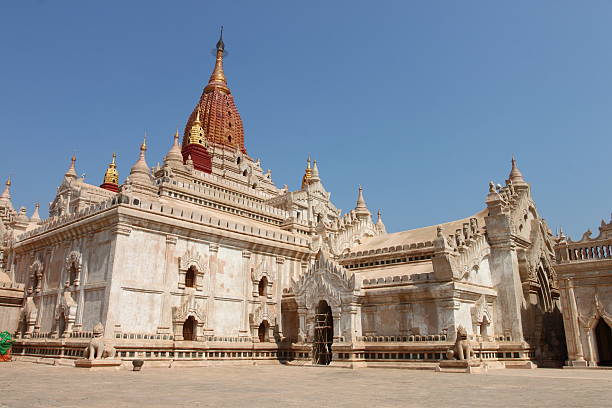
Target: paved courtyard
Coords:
[(33, 385)]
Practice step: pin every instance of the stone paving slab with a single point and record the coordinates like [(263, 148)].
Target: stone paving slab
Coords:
[(34, 385)]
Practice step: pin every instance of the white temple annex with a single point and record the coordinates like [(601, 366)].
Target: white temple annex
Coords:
[(204, 260)]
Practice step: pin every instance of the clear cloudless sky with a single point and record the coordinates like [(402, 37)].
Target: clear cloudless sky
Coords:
[(421, 102)]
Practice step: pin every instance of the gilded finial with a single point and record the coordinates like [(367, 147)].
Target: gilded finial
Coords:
[(143, 146), (8, 181), (111, 177), (217, 78), (220, 44)]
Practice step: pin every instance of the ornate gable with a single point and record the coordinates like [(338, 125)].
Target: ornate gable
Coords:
[(324, 280)]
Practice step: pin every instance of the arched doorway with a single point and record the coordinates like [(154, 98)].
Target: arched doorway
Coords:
[(603, 336), (323, 334), (189, 329), (263, 331)]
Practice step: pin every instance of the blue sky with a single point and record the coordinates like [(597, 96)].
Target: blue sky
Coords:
[(420, 102)]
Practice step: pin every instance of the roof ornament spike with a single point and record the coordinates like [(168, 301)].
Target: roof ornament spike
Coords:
[(71, 173), (361, 209), (140, 170), (220, 44), (516, 177), (315, 171), (217, 79), (36, 216), (6, 194), (111, 176), (174, 156)]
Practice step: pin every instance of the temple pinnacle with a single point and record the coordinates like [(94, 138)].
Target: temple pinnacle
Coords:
[(71, 173), (220, 44), (516, 177), (217, 78)]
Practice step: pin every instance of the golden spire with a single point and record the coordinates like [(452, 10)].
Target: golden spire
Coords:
[(217, 78), (112, 175), (307, 173), (143, 146), (196, 133)]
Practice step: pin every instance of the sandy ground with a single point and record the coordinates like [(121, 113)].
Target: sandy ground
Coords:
[(34, 385)]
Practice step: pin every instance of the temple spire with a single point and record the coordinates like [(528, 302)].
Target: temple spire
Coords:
[(5, 197), (36, 216), (174, 156), (307, 173), (6, 194), (361, 209), (71, 173), (379, 224), (515, 174), (111, 177), (315, 172), (217, 78), (140, 170)]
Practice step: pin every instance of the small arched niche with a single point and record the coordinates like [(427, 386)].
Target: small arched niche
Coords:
[(190, 277), (263, 286)]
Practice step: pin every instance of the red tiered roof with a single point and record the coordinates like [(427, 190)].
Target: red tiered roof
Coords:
[(219, 117)]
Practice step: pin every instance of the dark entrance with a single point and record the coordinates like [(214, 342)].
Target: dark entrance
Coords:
[(61, 325), (189, 329), (190, 277), (323, 334), (262, 332), (603, 335)]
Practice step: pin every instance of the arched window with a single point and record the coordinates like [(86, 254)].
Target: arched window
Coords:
[(238, 160), (263, 331), (245, 173), (190, 277), (263, 286), (189, 329)]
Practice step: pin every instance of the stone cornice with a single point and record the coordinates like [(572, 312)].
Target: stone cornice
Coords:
[(163, 219)]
